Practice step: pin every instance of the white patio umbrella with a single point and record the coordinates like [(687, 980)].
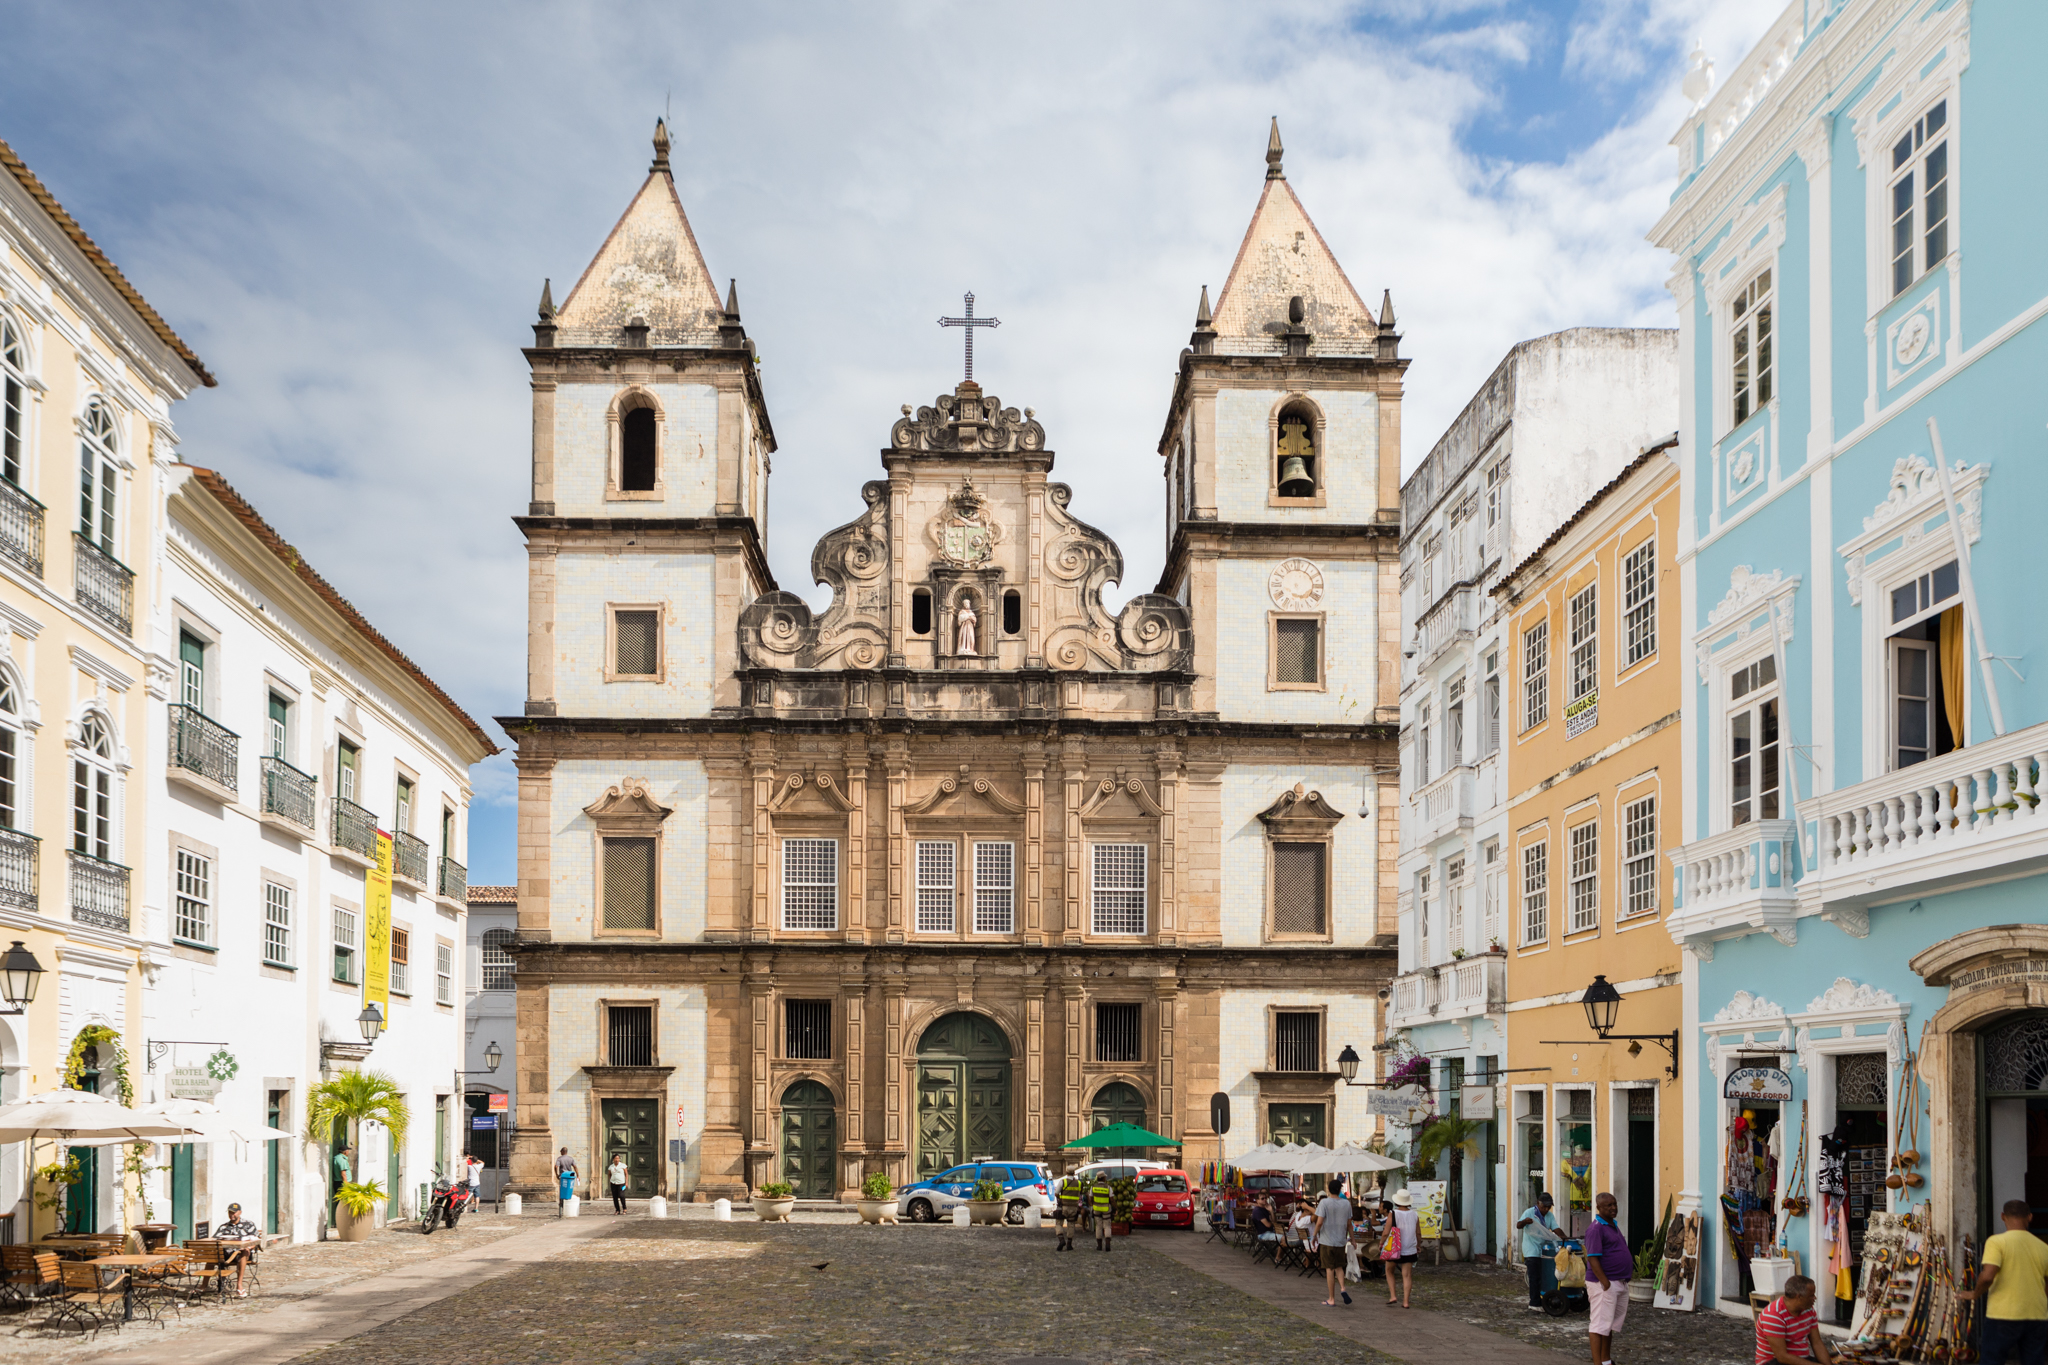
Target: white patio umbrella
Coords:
[(1295, 1158), (83, 1119), (1346, 1159), (1260, 1158), (204, 1122)]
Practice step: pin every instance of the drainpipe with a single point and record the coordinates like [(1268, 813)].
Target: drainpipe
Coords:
[(1962, 543)]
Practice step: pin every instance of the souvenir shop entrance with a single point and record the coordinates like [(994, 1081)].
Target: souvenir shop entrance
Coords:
[(2012, 1059), (1851, 1172), (1754, 1096)]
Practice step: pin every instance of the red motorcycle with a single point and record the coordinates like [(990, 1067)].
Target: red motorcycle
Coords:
[(451, 1200)]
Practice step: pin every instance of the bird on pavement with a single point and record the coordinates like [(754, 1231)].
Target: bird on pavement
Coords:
[(821, 1265)]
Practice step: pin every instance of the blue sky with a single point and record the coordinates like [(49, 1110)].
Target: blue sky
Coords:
[(349, 211)]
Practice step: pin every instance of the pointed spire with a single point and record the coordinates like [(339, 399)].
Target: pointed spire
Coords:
[(660, 145), (1203, 342), (1273, 171), (1387, 311), (732, 300), (1202, 315), (547, 300), (730, 333)]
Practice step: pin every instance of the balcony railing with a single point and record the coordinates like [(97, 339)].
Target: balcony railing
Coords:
[(99, 892), (409, 857), (355, 829), (103, 585), (1456, 989), (1442, 806), (1455, 617), (1739, 879), (202, 745), (21, 527), (20, 859), (289, 793), (454, 881)]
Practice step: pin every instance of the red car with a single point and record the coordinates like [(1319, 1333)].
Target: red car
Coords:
[(1166, 1199)]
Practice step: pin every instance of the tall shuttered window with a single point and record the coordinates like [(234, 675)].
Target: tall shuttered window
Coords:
[(1639, 835), (1919, 205), (807, 1030), (1585, 643), (629, 1035), (1749, 347), (629, 883), (1535, 675), (1535, 894), (192, 915), (13, 384), (1584, 843), (1297, 1040), (810, 883), (995, 888), (277, 925), (1300, 887), (1639, 603), (1117, 896), (937, 878)]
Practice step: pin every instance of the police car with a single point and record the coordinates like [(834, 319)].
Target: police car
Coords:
[(1026, 1185)]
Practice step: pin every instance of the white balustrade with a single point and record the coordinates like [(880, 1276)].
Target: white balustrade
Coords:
[(1983, 792)]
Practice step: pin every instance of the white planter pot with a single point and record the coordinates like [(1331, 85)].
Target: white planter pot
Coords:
[(657, 1207), (985, 1211), (774, 1210), (876, 1210), (1641, 1291)]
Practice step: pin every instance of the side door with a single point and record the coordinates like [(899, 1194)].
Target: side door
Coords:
[(953, 1186)]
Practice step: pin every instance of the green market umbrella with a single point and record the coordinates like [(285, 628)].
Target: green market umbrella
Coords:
[(1123, 1135)]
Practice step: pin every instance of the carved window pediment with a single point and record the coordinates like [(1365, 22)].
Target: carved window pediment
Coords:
[(799, 794), (1300, 814), (627, 810), (1121, 796)]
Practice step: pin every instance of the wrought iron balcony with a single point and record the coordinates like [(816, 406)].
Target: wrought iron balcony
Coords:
[(204, 747), (409, 857), (288, 793), (21, 527), (355, 829), (103, 585), (99, 892), (20, 862), (454, 881)]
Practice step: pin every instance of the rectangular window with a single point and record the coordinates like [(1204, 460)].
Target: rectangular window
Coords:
[(1297, 1040), (636, 643), (401, 962), (1489, 861), (1639, 835), (191, 670), (9, 813), (1454, 726), (96, 477), (807, 1030), (1920, 197), (1300, 888), (1753, 743), (1535, 894), (1423, 748), (444, 973), (192, 917), (1639, 602), (1496, 504), (347, 768), (277, 924), (1297, 651), (629, 883), (935, 886), (345, 960), (1117, 902), (629, 1035), (1749, 347), (1422, 912), (1585, 877), (1454, 902), (995, 888), (279, 733), (10, 425), (810, 883), (1535, 675), (403, 819), (1490, 702), (92, 810), (1119, 1032), (1584, 624)]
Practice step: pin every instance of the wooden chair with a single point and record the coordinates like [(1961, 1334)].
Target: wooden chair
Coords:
[(158, 1285), (203, 1266), (85, 1301), (31, 1274)]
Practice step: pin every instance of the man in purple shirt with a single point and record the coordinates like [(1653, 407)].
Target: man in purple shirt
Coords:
[(1609, 1266)]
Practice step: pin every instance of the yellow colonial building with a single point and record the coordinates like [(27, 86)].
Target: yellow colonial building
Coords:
[(88, 374), (1594, 776)]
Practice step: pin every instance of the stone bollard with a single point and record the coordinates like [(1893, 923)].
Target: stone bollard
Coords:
[(657, 1207), (721, 1209), (572, 1207), (960, 1215), (1033, 1217), (513, 1205)]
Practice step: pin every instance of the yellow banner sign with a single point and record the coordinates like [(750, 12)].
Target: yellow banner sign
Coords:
[(377, 930)]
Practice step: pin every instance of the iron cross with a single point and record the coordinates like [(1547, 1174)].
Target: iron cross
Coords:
[(970, 322)]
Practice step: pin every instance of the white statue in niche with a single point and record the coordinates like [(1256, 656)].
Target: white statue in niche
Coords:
[(965, 636)]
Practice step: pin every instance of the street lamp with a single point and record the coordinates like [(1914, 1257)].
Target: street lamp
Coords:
[(1603, 1008), (371, 1021), (493, 1054), (20, 974), (1602, 1002), (1347, 1064)]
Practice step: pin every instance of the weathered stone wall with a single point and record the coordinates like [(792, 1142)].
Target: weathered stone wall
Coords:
[(1351, 643), (682, 585), (687, 451), (1349, 456)]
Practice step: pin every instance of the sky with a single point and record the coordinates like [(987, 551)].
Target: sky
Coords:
[(348, 211)]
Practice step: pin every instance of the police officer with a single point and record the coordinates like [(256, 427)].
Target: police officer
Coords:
[(1069, 1212), (1100, 1199)]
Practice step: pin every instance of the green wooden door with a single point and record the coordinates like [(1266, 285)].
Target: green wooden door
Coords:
[(273, 1164), (631, 1127), (809, 1136), (939, 1136), (963, 1093), (82, 1200), (1295, 1123), (181, 1191)]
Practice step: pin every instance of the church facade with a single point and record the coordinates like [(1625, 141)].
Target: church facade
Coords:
[(967, 863)]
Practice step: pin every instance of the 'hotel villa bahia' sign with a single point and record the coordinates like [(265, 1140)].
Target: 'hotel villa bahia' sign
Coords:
[(1757, 1083), (1581, 715)]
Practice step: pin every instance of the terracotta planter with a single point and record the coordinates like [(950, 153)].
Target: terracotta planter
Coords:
[(876, 1210), (774, 1210), (349, 1228), (986, 1210)]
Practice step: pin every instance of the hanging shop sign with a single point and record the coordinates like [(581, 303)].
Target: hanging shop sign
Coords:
[(1581, 715), (191, 1083), (1406, 1102), (1757, 1083), (501, 1103)]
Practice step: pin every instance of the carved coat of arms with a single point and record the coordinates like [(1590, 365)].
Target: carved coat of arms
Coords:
[(965, 531)]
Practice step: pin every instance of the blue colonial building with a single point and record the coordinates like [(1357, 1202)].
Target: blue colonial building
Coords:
[(1861, 282)]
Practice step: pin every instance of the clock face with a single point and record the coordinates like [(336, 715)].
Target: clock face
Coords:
[(1912, 340), (1295, 585)]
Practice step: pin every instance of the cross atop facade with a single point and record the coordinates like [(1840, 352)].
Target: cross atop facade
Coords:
[(970, 322)]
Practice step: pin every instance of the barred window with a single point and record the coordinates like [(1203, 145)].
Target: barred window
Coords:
[(344, 945), (193, 914), (1535, 893), (995, 888), (277, 925), (1118, 900), (1118, 1032), (629, 1035), (401, 962), (810, 883), (1639, 602), (1639, 832), (1300, 888), (497, 960), (935, 882), (629, 883), (1535, 675), (1585, 642), (636, 643), (1297, 651), (444, 973), (807, 1030), (1585, 876), (1297, 1040)]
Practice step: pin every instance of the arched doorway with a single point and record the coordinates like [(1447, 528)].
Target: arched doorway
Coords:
[(1118, 1102), (2013, 1057), (963, 1093), (810, 1131)]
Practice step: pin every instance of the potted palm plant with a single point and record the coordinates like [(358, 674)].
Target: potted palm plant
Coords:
[(1460, 1138), (773, 1201), (1123, 1202), (352, 1099), (877, 1202), (1643, 1288), (355, 1209), (986, 1204)]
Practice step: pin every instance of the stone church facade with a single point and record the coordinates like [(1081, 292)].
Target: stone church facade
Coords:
[(965, 864)]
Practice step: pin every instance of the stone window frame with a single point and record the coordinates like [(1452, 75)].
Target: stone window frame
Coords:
[(1273, 682), (1301, 816), (627, 399), (202, 950), (625, 811), (1322, 1011), (1091, 1041), (611, 642), (834, 1043), (1319, 427), (604, 1006)]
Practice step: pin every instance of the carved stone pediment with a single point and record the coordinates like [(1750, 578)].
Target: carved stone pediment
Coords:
[(1300, 813), (821, 791), (965, 421), (1129, 793), (980, 786), (627, 809)]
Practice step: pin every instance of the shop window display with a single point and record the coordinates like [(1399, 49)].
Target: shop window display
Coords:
[(1574, 1173), (1749, 1188)]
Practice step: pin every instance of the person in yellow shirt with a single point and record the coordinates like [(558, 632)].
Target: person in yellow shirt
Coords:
[(2014, 1286)]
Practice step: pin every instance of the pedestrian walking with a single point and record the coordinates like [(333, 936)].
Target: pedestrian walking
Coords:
[(1100, 1201), (1788, 1331), (1538, 1228), (2013, 1282), (1332, 1227), (1068, 1212), (1403, 1244), (1611, 1265), (565, 1180), (341, 1172), (615, 1176)]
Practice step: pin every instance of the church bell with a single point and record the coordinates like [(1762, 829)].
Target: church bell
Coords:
[(1294, 479)]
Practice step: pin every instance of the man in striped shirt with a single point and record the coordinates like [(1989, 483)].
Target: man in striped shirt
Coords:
[(1788, 1332)]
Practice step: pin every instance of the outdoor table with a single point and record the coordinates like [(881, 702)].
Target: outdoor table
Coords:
[(71, 1243), (131, 1263)]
